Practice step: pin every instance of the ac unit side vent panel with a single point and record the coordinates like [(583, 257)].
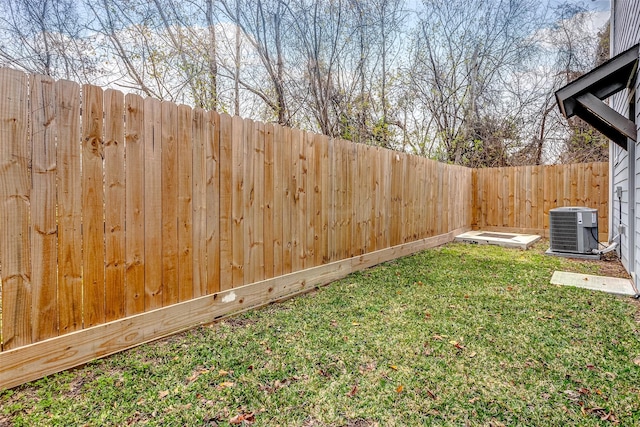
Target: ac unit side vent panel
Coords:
[(564, 235), (573, 230)]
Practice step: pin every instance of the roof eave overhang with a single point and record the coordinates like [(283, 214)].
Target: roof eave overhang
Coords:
[(583, 97)]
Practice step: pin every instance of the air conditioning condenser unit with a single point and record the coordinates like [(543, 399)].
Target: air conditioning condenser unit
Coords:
[(573, 231)]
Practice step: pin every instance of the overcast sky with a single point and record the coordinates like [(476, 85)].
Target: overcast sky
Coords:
[(600, 5)]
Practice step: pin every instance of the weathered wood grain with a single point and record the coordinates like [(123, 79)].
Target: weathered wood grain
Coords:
[(69, 213), (44, 292), (185, 204), (15, 180), (115, 203), (134, 205), (93, 206), (153, 204)]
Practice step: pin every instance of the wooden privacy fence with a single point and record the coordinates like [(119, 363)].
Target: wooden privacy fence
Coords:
[(127, 219), (519, 198)]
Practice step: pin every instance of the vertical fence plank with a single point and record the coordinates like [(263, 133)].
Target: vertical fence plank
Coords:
[(43, 209), (69, 197), (170, 293), (238, 216), (512, 207), (287, 202), (350, 151), (199, 202), (297, 249), (153, 204), (332, 200), (278, 198), (535, 218), (226, 166), (249, 207), (257, 244), (600, 190), (528, 190), (185, 207), (14, 214), (384, 212), (213, 202), (302, 197), (395, 198), (310, 255), (134, 205), (325, 197), (374, 186), (343, 210), (115, 202), (269, 184), (318, 193), (93, 206), (358, 198)]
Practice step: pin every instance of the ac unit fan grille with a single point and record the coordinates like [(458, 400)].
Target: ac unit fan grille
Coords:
[(564, 231)]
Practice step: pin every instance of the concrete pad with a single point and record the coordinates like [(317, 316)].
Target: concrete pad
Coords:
[(612, 285), (507, 240)]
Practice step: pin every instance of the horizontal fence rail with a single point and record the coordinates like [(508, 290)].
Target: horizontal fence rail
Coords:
[(519, 198), (119, 212)]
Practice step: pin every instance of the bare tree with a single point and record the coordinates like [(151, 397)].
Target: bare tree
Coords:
[(266, 25), (46, 37), (464, 55)]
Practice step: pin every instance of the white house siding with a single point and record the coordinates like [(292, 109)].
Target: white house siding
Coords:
[(625, 32)]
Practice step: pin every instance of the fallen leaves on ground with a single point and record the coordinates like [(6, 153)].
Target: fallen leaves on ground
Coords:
[(225, 384), (457, 345), (353, 391), (248, 418), (196, 374)]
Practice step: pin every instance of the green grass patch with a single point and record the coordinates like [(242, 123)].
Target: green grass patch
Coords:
[(458, 335)]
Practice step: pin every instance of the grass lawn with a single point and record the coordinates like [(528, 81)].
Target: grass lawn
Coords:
[(458, 335)]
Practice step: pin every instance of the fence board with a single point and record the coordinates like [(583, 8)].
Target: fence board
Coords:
[(134, 205), (185, 200), (297, 228), (93, 206), (14, 215), (279, 187), (199, 202), (153, 204), (212, 150), (332, 200), (169, 156), (248, 205), (237, 199), (115, 202), (226, 202), (320, 208), (43, 209), (287, 202), (310, 216), (69, 198), (257, 246), (350, 209), (269, 184), (325, 196)]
